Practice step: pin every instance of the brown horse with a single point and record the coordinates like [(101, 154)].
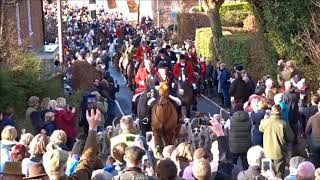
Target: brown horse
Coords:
[(164, 118)]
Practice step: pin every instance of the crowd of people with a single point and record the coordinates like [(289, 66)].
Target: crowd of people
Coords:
[(272, 131)]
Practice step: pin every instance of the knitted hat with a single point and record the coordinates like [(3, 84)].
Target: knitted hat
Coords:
[(54, 160)]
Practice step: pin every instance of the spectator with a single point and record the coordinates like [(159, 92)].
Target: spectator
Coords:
[(74, 156), (276, 135), (201, 170), (19, 152), (65, 120), (182, 156), (166, 169), (240, 135), (118, 152), (33, 117), (133, 157), (127, 134), (101, 175), (221, 167), (238, 89), (103, 107), (306, 171), (59, 138), (250, 85), (7, 119), (52, 105), (54, 161), (317, 174), (291, 98), (294, 163), (12, 170), (198, 154), (49, 125), (254, 156), (224, 84), (37, 149), (44, 107), (167, 151), (26, 139), (284, 108), (209, 78), (8, 136), (313, 133), (37, 171), (307, 112), (258, 113)]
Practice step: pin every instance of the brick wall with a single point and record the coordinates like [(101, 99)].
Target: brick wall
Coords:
[(36, 39)]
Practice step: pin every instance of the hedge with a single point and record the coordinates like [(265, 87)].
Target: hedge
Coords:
[(235, 6), (234, 48)]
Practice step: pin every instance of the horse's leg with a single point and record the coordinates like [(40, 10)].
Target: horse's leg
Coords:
[(157, 138)]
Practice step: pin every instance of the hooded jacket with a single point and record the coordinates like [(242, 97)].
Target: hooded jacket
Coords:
[(66, 121)]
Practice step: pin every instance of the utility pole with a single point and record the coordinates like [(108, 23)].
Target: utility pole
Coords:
[(158, 14), (139, 14), (60, 36)]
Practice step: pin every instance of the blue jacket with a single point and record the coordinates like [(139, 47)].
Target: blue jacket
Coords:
[(49, 127), (256, 135), (224, 79), (5, 122)]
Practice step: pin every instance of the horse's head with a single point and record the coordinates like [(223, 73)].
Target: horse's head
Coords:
[(163, 88)]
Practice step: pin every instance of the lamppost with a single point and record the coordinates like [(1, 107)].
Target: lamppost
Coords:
[(60, 37), (138, 22)]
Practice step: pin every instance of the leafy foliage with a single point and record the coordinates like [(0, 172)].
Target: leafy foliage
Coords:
[(234, 48), (234, 18), (235, 6)]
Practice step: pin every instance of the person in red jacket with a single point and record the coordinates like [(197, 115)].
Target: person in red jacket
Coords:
[(183, 71), (191, 57), (143, 52), (65, 119), (202, 73), (140, 78)]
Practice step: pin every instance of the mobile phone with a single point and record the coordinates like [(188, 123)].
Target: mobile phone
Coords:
[(149, 135), (91, 102), (266, 164)]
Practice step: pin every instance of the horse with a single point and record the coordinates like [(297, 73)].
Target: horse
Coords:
[(185, 94), (164, 118), (143, 108)]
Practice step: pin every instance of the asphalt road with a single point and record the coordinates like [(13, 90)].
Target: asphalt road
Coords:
[(124, 97)]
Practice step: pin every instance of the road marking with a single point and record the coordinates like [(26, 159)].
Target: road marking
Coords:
[(119, 107), (221, 108)]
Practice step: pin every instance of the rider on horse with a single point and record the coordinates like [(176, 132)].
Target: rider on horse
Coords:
[(164, 75), (140, 78), (183, 71), (143, 52)]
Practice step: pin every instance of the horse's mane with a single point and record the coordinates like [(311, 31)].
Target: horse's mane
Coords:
[(163, 93)]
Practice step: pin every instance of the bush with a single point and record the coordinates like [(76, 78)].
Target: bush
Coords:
[(234, 48), (20, 80), (195, 9), (234, 18), (204, 43), (235, 6)]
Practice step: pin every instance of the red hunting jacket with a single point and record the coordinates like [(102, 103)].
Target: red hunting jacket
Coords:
[(188, 69), (141, 75), (139, 53)]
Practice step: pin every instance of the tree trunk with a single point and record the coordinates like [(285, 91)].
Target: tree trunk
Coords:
[(215, 23)]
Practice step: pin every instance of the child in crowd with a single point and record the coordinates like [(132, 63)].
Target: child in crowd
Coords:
[(49, 125)]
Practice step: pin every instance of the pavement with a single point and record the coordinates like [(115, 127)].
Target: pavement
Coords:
[(124, 96)]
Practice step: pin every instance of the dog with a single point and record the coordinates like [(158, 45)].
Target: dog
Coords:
[(102, 143), (196, 138), (185, 131), (136, 126)]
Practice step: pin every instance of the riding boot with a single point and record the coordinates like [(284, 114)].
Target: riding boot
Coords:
[(134, 107), (179, 113)]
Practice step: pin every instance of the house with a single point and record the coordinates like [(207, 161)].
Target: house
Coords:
[(24, 19)]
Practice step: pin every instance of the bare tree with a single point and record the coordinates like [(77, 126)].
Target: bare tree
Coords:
[(212, 8)]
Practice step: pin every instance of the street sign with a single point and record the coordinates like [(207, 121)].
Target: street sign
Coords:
[(173, 15)]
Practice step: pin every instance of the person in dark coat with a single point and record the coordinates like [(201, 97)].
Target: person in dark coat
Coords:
[(224, 84), (291, 98), (255, 155), (209, 78), (256, 116), (238, 89), (163, 57), (240, 135), (6, 119)]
